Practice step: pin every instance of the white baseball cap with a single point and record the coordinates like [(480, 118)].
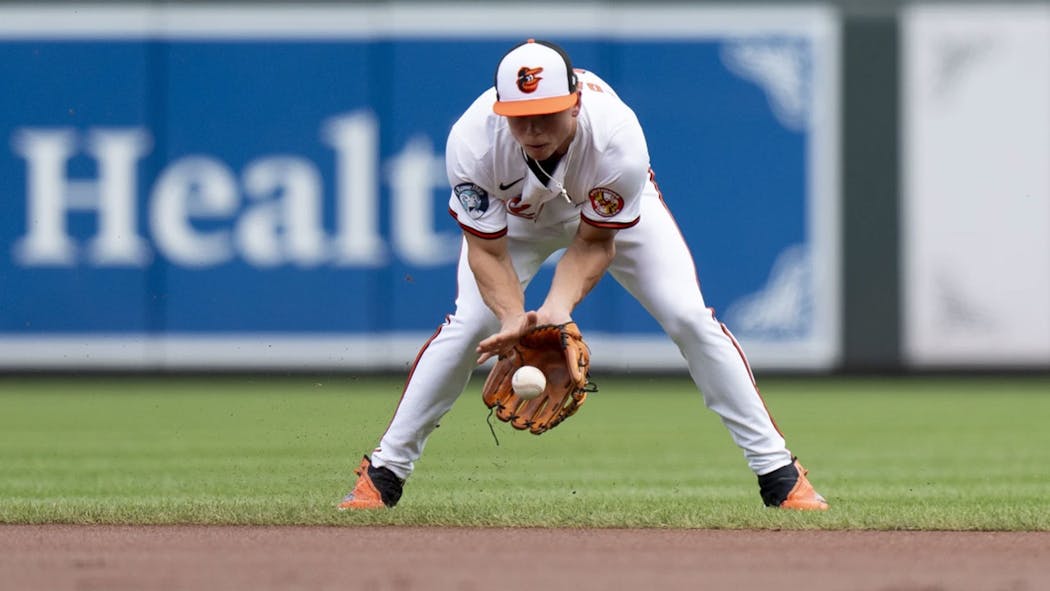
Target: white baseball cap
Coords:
[(534, 78)]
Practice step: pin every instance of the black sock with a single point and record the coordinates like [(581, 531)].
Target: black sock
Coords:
[(775, 486), (387, 483)]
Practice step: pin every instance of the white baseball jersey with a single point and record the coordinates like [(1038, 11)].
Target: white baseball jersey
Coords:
[(607, 182), (603, 173)]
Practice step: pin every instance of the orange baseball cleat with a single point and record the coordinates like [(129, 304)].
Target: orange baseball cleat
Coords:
[(788, 488), (802, 497), (376, 488)]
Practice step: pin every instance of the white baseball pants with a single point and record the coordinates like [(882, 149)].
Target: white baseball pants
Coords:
[(654, 264)]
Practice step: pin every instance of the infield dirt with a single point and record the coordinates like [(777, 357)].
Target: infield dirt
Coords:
[(84, 558)]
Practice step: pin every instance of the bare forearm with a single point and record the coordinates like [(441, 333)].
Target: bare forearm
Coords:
[(501, 291), (498, 282)]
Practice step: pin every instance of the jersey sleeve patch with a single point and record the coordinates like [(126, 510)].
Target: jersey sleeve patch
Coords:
[(474, 199), (606, 202)]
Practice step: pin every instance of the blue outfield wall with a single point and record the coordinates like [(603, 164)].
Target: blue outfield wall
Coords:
[(264, 188)]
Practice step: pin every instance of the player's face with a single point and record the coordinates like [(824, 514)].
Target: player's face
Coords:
[(543, 136)]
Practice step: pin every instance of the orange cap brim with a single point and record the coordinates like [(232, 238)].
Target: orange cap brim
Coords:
[(543, 106)]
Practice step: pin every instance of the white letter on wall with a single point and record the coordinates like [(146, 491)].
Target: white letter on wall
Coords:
[(288, 192), (356, 142), (51, 195), (193, 187), (414, 174)]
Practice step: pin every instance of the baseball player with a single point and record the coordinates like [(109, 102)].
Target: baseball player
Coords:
[(551, 158)]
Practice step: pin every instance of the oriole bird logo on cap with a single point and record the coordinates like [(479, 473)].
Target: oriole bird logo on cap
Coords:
[(528, 79)]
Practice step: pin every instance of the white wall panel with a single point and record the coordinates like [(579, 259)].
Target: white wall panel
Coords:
[(976, 185)]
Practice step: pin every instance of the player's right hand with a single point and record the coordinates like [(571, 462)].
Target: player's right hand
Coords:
[(504, 340)]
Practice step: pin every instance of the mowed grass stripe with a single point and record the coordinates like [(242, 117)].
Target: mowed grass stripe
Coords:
[(965, 453)]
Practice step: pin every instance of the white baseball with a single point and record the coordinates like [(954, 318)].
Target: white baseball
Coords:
[(528, 382)]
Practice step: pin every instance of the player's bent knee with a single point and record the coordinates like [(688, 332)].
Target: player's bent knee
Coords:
[(694, 325)]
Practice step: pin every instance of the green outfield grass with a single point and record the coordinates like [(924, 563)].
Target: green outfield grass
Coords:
[(967, 453)]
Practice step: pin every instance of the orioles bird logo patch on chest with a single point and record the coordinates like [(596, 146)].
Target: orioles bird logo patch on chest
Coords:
[(605, 202), (529, 79)]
